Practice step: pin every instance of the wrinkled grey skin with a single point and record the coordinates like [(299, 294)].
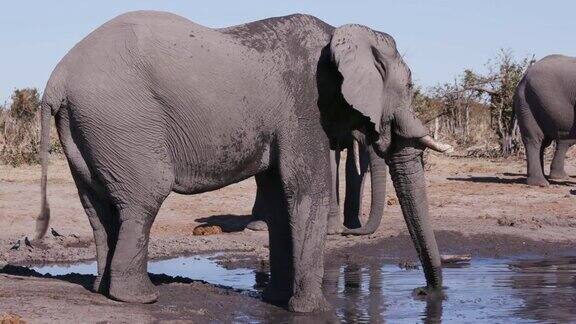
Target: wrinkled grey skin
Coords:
[(151, 103), (354, 193), (544, 102)]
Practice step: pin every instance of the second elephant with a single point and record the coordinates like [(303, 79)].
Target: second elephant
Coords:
[(358, 162), (359, 159), (544, 103)]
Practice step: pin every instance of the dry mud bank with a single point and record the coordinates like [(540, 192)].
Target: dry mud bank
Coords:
[(478, 206)]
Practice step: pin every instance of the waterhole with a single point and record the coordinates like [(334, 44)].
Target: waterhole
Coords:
[(484, 290)]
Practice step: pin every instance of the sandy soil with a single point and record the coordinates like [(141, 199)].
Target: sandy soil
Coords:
[(471, 200)]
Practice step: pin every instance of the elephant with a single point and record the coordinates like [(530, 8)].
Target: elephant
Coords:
[(359, 159), (152, 103), (355, 174), (544, 103)]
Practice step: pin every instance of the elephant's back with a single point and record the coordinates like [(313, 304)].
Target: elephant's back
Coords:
[(133, 38), (158, 55), (555, 69), (550, 90)]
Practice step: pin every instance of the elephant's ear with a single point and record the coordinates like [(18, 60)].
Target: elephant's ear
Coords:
[(363, 75)]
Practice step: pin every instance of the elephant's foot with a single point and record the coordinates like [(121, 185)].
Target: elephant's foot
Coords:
[(352, 224), (333, 227), (308, 303), (137, 289), (276, 295), (558, 175), (101, 284), (537, 181), (428, 292), (257, 225)]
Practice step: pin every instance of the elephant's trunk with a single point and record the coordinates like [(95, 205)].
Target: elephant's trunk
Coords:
[(407, 173), (378, 171)]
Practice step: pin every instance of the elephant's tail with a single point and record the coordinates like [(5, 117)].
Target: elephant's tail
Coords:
[(52, 100)]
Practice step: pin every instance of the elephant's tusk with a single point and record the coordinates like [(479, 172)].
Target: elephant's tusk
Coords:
[(356, 149)]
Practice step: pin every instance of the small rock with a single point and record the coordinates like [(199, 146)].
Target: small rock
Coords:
[(207, 230), (504, 221), (392, 201)]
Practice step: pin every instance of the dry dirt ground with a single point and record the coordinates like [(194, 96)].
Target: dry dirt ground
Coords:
[(468, 197)]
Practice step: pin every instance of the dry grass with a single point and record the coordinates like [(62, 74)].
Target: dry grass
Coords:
[(20, 140), (20, 129)]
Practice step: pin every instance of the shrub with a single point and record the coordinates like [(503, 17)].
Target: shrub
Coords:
[(20, 127)]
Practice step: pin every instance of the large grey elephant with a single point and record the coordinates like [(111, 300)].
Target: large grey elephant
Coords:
[(151, 103), (545, 102)]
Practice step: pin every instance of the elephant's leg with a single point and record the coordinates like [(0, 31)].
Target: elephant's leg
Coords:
[(334, 213), (533, 138), (355, 187), (129, 279), (545, 143), (99, 211), (533, 157), (308, 206), (297, 231), (259, 211), (136, 203), (105, 228), (305, 178), (279, 288), (557, 170)]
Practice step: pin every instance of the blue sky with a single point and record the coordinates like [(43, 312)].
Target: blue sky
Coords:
[(438, 39)]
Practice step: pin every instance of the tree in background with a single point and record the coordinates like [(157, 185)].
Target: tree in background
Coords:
[(25, 104), (20, 128), (476, 107), (497, 89)]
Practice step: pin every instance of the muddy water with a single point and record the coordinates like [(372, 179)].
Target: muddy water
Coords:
[(485, 290), (196, 268)]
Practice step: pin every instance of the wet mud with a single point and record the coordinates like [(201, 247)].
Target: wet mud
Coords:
[(508, 279)]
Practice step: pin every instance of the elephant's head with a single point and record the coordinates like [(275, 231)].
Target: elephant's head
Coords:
[(373, 83)]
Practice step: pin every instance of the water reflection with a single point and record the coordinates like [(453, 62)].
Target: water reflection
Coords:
[(360, 290), (547, 287), (360, 295), (486, 290), (433, 313)]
